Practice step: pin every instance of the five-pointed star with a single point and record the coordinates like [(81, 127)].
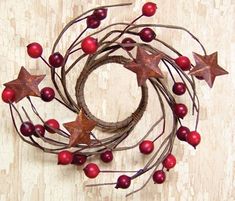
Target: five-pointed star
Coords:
[(207, 68), (80, 130), (145, 66), (25, 85)]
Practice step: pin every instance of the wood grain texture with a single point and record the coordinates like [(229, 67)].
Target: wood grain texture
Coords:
[(207, 174)]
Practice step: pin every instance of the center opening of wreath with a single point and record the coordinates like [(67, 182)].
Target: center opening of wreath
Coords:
[(111, 92)]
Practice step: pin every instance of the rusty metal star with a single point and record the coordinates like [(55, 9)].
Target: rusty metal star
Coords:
[(145, 66), (80, 129), (207, 67), (25, 85)]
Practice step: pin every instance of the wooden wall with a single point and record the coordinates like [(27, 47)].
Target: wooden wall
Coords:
[(207, 174)]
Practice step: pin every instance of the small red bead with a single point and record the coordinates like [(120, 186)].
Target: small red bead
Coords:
[(56, 60), (179, 88), (51, 123), (79, 159), (147, 35), (8, 95), (169, 162), (149, 9), (146, 147), (128, 41), (159, 177), (89, 45), (183, 62), (39, 129), (27, 129), (101, 13), (91, 170), (34, 50), (123, 182), (180, 110), (194, 138), (199, 77), (47, 94), (182, 133), (92, 22), (106, 156), (65, 158)]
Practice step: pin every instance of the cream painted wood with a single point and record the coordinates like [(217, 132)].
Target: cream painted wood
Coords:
[(207, 174)]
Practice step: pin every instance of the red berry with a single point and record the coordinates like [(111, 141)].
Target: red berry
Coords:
[(159, 177), (179, 88), (92, 22), (56, 60), (79, 159), (101, 13), (182, 133), (128, 41), (106, 156), (89, 45), (123, 182), (91, 170), (169, 162), (51, 123), (149, 9), (194, 138), (27, 129), (34, 50), (183, 62), (8, 95), (147, 35), (65, 158), (146, 147), (47, 94), (39, 129), (180, 110), (199, 77)]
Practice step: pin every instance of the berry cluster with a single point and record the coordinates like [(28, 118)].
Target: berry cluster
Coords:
[(145, 66)]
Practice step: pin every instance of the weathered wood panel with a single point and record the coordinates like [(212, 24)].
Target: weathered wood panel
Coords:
[(207, 174)]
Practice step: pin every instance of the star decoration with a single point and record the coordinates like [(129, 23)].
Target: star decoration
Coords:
[(207, 68), (25, 85), (80, 130), (145, 66)]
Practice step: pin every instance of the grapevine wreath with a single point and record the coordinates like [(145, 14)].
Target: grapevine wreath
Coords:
[(77, 141)]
